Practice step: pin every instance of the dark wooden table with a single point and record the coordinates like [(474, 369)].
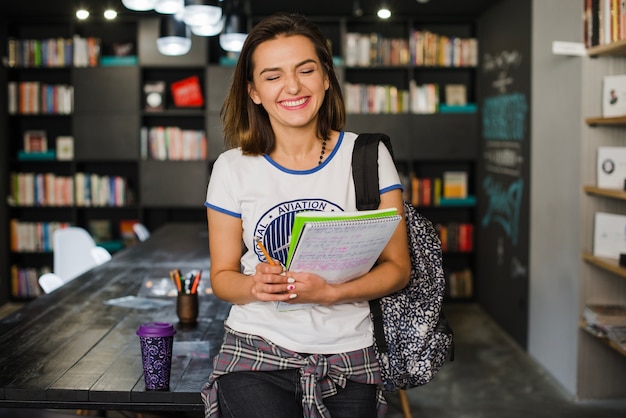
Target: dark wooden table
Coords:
[(69, 349)]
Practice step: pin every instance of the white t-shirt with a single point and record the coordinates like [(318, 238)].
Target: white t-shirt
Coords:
[(265, 196)]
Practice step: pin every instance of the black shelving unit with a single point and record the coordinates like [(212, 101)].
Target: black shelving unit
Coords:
[(109, 114)]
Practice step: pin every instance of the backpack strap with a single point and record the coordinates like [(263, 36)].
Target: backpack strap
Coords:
[(365, 169), (365, 176)]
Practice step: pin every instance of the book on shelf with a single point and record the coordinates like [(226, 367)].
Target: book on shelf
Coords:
[(25, 281), (173, 143), (456, 236), (611, 167), (112, 60), (36, 156), (466, 108), (424, 98), (609, 235), (452, 201), (127, 232), (455, 184), (605, 315), (425, 191), (460, 284), (187, 92)]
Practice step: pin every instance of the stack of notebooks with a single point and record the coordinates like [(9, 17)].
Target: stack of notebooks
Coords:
[(339, 246)]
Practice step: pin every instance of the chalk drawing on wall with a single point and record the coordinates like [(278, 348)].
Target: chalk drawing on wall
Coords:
[(503, 205), (504, 117), (503, 158)]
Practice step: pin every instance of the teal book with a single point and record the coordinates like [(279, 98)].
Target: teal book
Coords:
[(36, 156)]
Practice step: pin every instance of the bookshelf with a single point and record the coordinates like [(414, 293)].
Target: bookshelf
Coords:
[(601, 361), (427, 142), (109, 127)]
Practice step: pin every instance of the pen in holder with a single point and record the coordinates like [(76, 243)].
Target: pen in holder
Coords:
[(187, 300)]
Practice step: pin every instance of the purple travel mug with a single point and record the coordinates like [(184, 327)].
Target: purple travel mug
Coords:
[(157, 339)]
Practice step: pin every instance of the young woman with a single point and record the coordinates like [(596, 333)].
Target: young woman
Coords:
[(283, 120)]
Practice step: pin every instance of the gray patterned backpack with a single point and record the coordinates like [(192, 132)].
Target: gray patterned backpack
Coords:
[(413, 338)]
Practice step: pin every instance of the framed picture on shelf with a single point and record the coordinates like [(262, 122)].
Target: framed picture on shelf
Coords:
[(154, 95), (65, 148), (35, 141), (456, 95)]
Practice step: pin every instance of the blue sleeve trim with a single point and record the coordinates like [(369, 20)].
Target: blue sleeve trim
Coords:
[(227, 212), (390, 188)]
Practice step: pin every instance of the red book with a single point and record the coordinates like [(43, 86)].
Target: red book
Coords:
[(187, 92)]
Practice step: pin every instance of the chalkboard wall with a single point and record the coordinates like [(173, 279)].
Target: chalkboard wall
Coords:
[(503, 88)]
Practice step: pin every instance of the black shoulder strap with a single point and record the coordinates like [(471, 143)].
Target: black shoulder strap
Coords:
[(365, 175), (365, 169)]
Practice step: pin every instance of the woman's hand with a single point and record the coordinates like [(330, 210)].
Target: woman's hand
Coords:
[(308, 288), (272, 284)]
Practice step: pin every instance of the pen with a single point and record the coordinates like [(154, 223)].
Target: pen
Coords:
[(196, 282), (264, 251), (175, 279)]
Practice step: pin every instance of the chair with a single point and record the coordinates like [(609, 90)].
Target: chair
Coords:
[(74, 252), (100, 255), (50, 282), (141, 231)]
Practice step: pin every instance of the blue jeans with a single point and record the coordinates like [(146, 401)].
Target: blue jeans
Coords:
[(277, 394)]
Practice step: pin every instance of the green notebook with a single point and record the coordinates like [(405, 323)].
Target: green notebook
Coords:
[(339, 219)]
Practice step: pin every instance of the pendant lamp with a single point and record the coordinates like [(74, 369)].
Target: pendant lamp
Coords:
[(174, 38), (169, 7), (139, 5), (235, 28), (201, 12), (209, 30)]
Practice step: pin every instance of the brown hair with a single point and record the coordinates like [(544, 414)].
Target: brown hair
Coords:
[(247, 124)]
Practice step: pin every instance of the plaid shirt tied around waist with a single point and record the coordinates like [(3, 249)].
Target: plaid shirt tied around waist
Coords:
[(320, 374)]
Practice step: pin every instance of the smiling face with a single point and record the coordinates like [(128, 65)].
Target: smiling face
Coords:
[(288, 81)]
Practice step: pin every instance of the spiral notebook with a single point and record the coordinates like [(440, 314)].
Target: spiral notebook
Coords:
[(339, 246)]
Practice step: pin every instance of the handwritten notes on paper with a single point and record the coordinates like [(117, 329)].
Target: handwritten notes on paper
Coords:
[(338, 247), (340, 250)]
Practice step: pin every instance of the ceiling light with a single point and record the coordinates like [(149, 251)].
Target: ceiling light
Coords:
[(384, 13), (139, 5), (209, 30), (235, 30), (110, 14), (169, 7), (82, 14), (357, 10), (201, 12), (173, 36)]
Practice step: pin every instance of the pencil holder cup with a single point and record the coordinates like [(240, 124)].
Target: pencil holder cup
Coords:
[(187, 308)]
